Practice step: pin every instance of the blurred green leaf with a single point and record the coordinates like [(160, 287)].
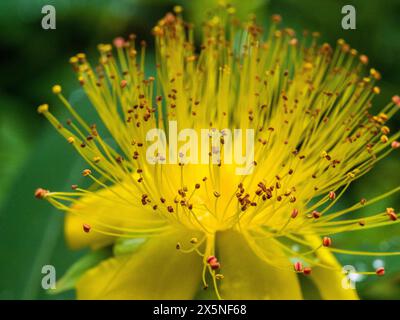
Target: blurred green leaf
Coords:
[(124, 246), (90, 260)]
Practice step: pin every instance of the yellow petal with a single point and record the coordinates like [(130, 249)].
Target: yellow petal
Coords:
[(246, 276), (328, 281), (112, 210), (156, 271)]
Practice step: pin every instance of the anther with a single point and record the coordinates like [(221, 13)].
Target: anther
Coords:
[(298, 266), (276, 18), (380, 271), (219, 276), (364, 59), (332, 195), (395, 144), (71, 140), (119, 42), (178, 246), (194, 240), (294, 213), (307, 271), (384, 138), (86, 228), (217, 194), (123, 83), (86, 172), (326, 242), (391, 213), (376, 90), (170, 209), (213, 262), (41, 193), (56, 89), (385, 130), (316, 214), (396, 100), (43, 108)]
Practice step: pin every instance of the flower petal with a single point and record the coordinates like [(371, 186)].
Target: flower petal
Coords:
[(156, 271), (246, 276), (328, 281), (113, 210)]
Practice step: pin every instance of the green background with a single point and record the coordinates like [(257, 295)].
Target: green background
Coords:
[(32, 154)]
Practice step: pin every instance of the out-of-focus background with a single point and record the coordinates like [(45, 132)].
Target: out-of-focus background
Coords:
[(32, 154)]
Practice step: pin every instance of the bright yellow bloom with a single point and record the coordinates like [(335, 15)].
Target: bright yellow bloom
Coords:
[(201, 224)]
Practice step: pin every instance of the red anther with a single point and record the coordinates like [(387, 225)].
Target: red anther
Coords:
[(392, 215), (332, 195), (276, 18), (395, 144), (316, 214), (74, 186), (363, 201), (326, 242), (123, 83), (361, 223), (211, 258), (298, 266), (41, 193), (119, 42), (396, 100), (307, 271), (295, 213), (380, 271), (86, 228), (213, 262), (215, 265)]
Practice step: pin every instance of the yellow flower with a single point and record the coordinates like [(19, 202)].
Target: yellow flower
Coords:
[(201, 224)]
